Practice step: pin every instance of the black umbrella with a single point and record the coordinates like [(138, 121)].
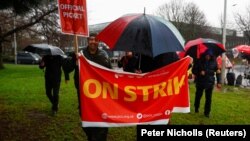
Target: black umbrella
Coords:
[(44, 49), (142, 33)]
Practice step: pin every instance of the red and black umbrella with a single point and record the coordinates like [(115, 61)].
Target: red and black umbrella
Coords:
[(195, 48), (244, 49), (142, 33)]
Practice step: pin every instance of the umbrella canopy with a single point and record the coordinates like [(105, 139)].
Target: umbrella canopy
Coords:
[(195, 48), (142, 33), (243, 49), (44, 49)]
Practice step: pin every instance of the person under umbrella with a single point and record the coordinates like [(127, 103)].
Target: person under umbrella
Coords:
[(195, 48), (165, 59), (53, 72), (204, 70), (243, 51), (129, 62)]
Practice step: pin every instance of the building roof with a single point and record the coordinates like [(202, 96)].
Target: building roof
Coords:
[(98, 27)]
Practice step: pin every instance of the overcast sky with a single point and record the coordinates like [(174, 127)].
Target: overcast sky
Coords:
[(100, 11)]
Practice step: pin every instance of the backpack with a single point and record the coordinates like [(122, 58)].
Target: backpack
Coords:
[(238, 81)]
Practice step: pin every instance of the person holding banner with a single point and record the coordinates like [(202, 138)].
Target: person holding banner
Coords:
[(129, 62), (165, 59), (92, 53), (204, 71), (150, 64)]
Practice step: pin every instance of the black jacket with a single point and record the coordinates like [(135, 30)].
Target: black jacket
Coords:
[(210, 67), (101, 57), (148, 64), (129, 64), (165, 59), (52, 65)]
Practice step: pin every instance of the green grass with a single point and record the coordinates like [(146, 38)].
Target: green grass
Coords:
[(25, 110)]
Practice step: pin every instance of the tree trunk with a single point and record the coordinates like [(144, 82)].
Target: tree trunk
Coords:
[(1, 51), (248, 37), (1, 57)]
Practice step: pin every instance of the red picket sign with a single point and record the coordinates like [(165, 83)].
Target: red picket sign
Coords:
[(73, 17)]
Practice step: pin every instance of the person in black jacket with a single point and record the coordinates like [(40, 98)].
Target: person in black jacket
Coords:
[(92, 53), (129, 62), (204, 71), (165, 59), (53, 72)]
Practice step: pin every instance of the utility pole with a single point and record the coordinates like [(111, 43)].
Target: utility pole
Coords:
[(15, 45), (224, 43)]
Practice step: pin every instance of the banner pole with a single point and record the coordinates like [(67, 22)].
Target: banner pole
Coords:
[(76, 44), (76, 48)]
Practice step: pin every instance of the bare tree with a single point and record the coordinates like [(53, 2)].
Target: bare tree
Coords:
[(172, 11), (48, 27), (24, 18), (193, 15), (243, 22), (197, 25), (187, 17)]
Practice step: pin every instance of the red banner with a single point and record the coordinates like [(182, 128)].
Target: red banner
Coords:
[(111, 99), (73, 17)]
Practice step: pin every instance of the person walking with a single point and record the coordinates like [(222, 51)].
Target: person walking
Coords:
[(53, 72), (204, 71), (92, 53)]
